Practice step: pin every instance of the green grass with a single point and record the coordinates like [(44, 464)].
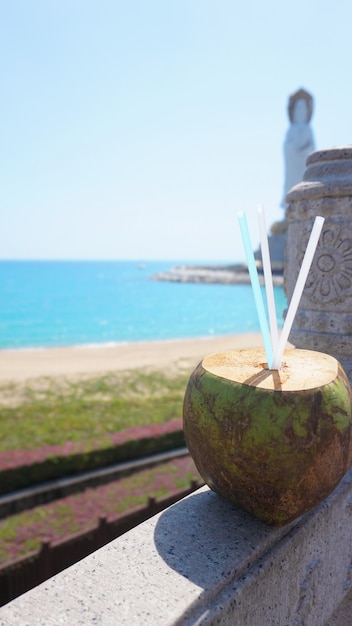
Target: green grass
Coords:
[(54, 411)]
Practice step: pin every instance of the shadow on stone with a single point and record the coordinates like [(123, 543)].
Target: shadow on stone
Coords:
[(209, 540)]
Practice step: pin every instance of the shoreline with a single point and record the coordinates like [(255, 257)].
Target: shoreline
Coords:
[(20, 364)]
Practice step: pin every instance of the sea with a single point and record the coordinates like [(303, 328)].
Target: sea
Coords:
[(71, 303)]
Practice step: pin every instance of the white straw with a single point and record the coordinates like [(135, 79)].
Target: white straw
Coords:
[(268, 278), (298, 290)]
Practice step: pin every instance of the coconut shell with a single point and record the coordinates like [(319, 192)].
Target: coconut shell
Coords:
[(276, 443)]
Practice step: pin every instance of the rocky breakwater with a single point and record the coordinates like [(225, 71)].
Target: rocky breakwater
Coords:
[(212, 274)]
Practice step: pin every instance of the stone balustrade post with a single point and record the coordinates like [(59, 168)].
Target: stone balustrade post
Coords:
[(324, 319)]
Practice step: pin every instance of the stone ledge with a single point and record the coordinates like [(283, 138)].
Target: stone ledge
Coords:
[(343, 614), (204, 561)]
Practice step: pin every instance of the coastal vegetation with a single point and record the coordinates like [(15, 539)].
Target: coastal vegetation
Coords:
[(52, 427), (59, 427), (52, 411)]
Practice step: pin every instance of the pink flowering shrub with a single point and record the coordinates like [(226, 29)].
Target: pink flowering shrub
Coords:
[(25, 531), (23, 468)]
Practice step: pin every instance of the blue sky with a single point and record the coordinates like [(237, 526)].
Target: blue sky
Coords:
[(138, 130)]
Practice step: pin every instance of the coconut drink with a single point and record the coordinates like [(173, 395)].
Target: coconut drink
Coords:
[(271, 430), (274, 442)]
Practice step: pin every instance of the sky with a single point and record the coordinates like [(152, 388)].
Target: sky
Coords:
[(139, 129)]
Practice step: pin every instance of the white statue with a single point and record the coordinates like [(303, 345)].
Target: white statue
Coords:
[(299, 141)]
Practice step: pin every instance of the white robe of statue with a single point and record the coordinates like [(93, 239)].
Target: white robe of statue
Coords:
[(299, 142)]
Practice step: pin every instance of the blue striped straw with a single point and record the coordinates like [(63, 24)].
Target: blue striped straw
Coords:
[(252, 268)]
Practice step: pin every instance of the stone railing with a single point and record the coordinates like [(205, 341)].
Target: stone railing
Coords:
[(204, 561)]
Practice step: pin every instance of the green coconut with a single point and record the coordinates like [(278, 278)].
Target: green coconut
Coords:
[(276, 443)]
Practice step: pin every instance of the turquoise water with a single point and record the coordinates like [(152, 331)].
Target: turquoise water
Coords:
[(63, 303)]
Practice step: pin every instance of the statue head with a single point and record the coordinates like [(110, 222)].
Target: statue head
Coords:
[(300, 106)]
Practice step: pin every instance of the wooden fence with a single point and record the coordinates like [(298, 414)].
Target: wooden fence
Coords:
[(27, 572)]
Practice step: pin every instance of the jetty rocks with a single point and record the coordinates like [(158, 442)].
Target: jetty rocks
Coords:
[(222, 274)]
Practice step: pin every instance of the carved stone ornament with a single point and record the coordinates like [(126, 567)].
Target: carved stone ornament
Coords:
[(330, 278), (324, 318)]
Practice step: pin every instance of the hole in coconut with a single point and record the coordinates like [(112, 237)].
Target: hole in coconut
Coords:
[(259, 377)]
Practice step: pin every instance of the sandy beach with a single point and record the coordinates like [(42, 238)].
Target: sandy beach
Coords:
[(20, 365)]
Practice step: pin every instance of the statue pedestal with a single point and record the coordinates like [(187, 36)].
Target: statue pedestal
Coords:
[(277, 245)]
